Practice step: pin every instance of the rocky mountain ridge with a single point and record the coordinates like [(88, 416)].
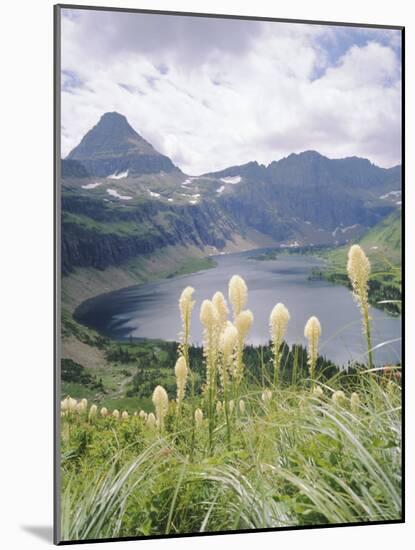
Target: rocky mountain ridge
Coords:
[(121, 198)]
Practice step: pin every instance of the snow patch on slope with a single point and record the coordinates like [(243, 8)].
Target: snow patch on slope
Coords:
[(118, 176), (231, 179), (91, 185), (114, 193)]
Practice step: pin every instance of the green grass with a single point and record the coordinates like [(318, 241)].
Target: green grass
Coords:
[(383, 246), (300, 460), (120, 228), (192, 265)]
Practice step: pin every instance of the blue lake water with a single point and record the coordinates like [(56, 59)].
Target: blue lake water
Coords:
[(151, 310)]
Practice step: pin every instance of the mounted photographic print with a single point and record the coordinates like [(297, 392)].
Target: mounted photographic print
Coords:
[(229, 296)]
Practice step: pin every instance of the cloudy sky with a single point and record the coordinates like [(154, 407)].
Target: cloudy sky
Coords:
[(212, 93)]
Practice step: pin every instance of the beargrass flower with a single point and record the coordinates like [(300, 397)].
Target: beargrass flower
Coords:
[(69, 404), (318, 391), (228, 344), (92, 412), (186, 305), (355, 402), (151, 420), (338, 397), (181, 371), (198, 417), (358, 269), (312, 332), (103, 412), (243, 324), (221, 307), (116, 413), (124, 415), (161, 404), (278, 322), (238, 294), (242, 407)]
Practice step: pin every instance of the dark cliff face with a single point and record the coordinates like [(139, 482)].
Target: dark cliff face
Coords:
[(310, 187), (150, 226), (113, 146), (73, 169)]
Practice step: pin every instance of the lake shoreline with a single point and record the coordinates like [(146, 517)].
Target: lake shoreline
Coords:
[(150, 310)]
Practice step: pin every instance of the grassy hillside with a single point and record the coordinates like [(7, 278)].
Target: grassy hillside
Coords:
[(382, 245), (295, 459)]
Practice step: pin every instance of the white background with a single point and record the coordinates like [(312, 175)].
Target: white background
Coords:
[(26, 314)]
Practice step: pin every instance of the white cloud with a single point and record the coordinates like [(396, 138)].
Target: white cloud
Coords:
[(209, 102)]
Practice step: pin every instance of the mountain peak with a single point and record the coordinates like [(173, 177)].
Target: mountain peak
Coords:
[(117, 121), (113, 146)]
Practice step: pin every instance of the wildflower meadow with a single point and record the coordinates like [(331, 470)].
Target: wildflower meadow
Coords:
[(237, 453)]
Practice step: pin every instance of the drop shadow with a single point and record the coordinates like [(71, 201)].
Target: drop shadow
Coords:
[(43, 532)]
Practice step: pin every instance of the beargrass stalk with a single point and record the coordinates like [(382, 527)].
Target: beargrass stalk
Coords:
[(186, 305), (278, 322), (229, 341), (312, 332), (358, 269), (181, 372), (161, 404), (209, 319)]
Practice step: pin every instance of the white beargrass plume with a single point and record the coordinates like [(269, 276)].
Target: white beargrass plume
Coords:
[(312, 331), (318, 391), (238, 294), (209, 318), (243, 324), (161, 404), (358, 268), (231, 406), (151, 420), (338, 397), (92, 412), (228, 344), (69, 404), (116, 413), (124, 415), (142, 415), (222, 310), (278, 322), (103, 412), (355, 402), (198, 417), (266, 396), (181, 371), (242, 407), (186, 305), (72, 403)]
